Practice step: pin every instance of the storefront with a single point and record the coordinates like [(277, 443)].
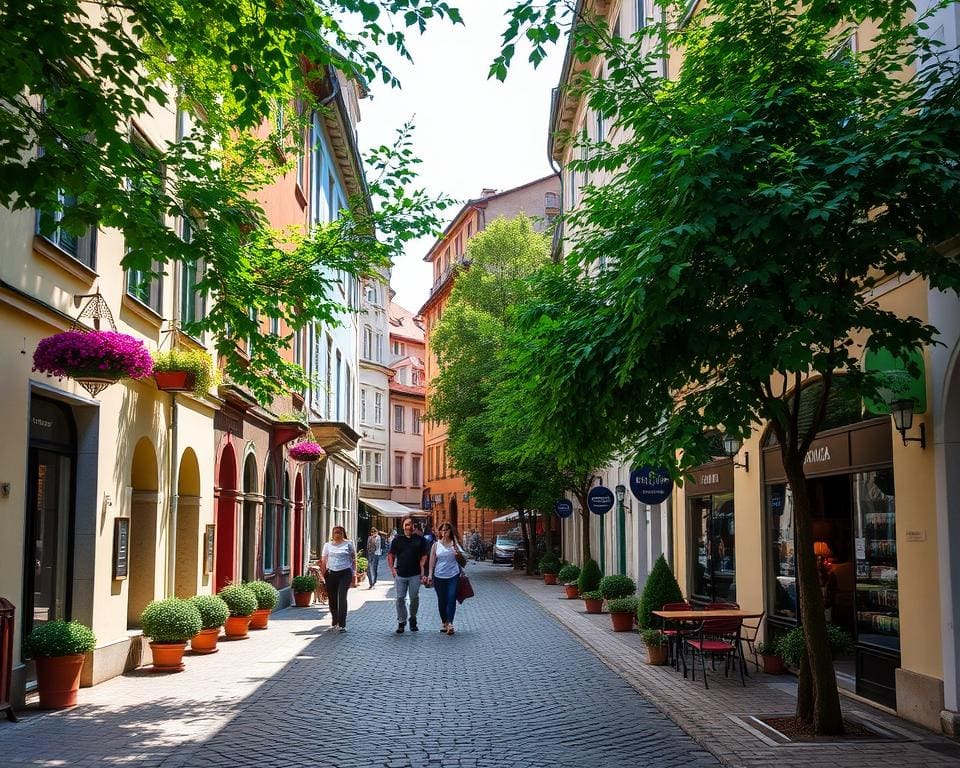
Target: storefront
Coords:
[(712, 533)]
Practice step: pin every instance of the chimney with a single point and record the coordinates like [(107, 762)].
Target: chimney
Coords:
[(486, 192)]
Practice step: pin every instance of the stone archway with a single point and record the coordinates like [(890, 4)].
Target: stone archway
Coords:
[(187, 571), (145, 580), (226, 530)]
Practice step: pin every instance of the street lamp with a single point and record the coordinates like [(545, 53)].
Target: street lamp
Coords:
[(731, 447), (621, 492), (902, 412)]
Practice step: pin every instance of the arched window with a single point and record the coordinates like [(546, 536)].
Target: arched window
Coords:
[(284, 530), (269, 523)]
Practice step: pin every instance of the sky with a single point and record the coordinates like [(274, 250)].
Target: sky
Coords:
[(471, 133)]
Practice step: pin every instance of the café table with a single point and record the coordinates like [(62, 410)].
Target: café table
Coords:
[(699, 616)]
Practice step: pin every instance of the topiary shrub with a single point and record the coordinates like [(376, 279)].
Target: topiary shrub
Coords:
[(171, 620), (240, 600), (304, 583), (549, 563), (266, 594), (623, 605), (590, 576), (594, 595), (651, 636), (661, 588), (569, 573), (615, 585), (213, 611), (59, 638), (791, 646)]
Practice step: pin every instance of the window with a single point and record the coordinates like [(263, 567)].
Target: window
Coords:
[(641, 13), (329, 378), (416, 421), (417, 378), (348, 413), (367, 342), (398, 469), (371, 293), (378, 408), (275, 326), (398, 418), (339, 391), (459, 247), (252, 314), (600, 127), (399, 349), (713, 542), (469, 229), (372, 466), (415, 471), (144, 284), (269, 535), (192, 302), (284, 531), (379, 347), (363, 405)]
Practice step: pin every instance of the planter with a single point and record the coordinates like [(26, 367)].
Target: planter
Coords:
[(58, 679), (594, 606), (773, 665), (622, 622), (175, 381), (168, 657), (550, 578), (303, 599), (657, 655), (260, 618), (236, 627), (572, 590), (205, 641)]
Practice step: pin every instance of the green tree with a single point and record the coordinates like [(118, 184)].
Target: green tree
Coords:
[(250, 74), (753, 205)]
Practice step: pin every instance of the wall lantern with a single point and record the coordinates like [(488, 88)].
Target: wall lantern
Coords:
[(902, 412), (731, 447), (621, 492)]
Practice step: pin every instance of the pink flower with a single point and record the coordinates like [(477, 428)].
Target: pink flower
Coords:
[(306, 451), (93, 353)]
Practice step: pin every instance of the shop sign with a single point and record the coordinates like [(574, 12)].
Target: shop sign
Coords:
[(600, 500), (121, 547), (897, 382), (563, 507), (712, 478), (651, 485)]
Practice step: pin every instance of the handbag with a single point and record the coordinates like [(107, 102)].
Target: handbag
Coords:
[(464, 588)]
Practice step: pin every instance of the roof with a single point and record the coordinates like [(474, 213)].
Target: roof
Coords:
[(404, 324)]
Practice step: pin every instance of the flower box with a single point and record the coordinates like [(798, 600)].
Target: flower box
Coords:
[(174, 381), (95, 359)]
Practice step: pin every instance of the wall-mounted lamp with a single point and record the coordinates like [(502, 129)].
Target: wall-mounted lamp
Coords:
[(621, 492), (902, 412), (731, 447)]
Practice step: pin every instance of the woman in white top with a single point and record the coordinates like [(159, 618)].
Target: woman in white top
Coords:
[(338, 563), (444, 574)]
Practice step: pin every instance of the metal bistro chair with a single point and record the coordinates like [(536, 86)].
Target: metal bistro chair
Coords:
[(675, 636), (713, 638), (748, 635)]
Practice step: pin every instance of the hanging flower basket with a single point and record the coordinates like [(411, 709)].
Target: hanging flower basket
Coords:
[(94, 359), (306, 451)]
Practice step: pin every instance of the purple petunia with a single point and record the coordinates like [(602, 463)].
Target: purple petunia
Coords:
[(306, 451), (105, 354)]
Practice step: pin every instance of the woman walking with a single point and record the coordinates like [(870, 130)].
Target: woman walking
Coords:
[(374, 550), (338, 563), (446, 561)]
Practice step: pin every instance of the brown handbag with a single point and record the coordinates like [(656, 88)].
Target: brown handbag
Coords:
[(464, 588)]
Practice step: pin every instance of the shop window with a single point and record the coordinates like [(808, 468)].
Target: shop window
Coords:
[(713, 544), (875, 548), (783, 563)]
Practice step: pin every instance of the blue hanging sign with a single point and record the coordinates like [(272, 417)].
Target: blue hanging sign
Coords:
[(651, 485), (563, 507), (600, 500)]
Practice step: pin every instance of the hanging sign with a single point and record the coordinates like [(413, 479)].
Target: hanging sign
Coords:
[(600, 500), (651, 485), (563, 507)]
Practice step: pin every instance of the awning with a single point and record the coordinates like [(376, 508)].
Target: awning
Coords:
[(506, 518), (391, 508)]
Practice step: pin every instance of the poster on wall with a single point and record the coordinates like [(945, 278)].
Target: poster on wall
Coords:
[(121, 548), (209, 539)]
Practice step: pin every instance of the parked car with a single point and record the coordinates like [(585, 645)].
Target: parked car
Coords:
[(504, 547)]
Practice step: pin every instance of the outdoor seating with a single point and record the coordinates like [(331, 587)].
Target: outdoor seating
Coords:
[(675, 636), (713, 637), (748, 635)]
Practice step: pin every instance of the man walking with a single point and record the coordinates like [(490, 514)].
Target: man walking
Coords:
[(407, 559), (374, 549)]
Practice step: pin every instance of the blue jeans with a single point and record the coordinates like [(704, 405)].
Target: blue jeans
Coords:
[(446, 597), (403, 584), (373, 563)]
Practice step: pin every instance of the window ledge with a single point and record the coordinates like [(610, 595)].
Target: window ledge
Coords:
[(63, 260), (141, 310)]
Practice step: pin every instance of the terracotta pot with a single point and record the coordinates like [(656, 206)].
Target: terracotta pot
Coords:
[(549, 578), (573, 592), (773, 665), (593, 606), (303, 599), (622, 622), (205, 641), (168, 657), (260, 618), (58, 679), (236, 627), (657, 655), (175, 381)]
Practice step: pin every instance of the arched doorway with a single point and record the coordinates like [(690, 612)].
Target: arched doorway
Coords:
[(284, 526), (251, 503), (187, 565), (142, 585), (226, 531)]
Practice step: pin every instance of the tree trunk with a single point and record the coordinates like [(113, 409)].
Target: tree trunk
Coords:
[(584, 528), (818, 700), (526, 539)]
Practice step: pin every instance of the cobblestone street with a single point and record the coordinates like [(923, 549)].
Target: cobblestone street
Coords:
[(512, 688)]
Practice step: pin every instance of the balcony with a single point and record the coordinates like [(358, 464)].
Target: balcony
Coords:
[(335, 436)]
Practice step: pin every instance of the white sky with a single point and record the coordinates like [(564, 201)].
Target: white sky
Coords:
[(471, 132)]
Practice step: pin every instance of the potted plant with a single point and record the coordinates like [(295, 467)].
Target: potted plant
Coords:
[(241, 603), (169, 623), (306, 451), (661, 588), (589, 578), (593, 601), (303, 588), (184, 370), (656, 650), (568, 576), (792, 646), (549, 567), (267, 598), (362, 565), (772, 662), (213, 613), (615, 586), (622, 612), (59, 648), (95, 359)]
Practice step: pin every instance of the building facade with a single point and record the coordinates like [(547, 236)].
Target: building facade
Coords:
[(407, 402)]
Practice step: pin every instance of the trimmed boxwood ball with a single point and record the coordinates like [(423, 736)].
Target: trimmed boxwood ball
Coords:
[(549, 563), (304, 583), (266, 594), (213, 611), (240, 600), (623, 605), (59, 638), (568, 573), (791, 646), (590, 576), (594, 595), (615, 586), (171, 620), (661, 588)]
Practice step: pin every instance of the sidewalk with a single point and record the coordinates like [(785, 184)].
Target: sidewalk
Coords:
[(712, 717)]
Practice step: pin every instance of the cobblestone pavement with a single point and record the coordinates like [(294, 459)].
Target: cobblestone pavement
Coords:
[(513, 688)]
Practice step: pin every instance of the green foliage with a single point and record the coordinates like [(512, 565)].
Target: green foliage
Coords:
[(766, 648), (595, 594), (615, 586), (549, 563), (304, 583), (590, 576), (240, 600), (362, 565), (651, 636), (171, 620), (791, 647), (59, 638), (661, 588), (213, 611), (622, 604), (568, 573), (194, 361), (266, 594)]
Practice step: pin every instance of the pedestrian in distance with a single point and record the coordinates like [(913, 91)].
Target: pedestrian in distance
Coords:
[(374, 550), (475, 545), (447, 560), (338, 562), (407, 559)]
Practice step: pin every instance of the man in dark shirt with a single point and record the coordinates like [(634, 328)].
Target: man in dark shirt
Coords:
[(407, 559)]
